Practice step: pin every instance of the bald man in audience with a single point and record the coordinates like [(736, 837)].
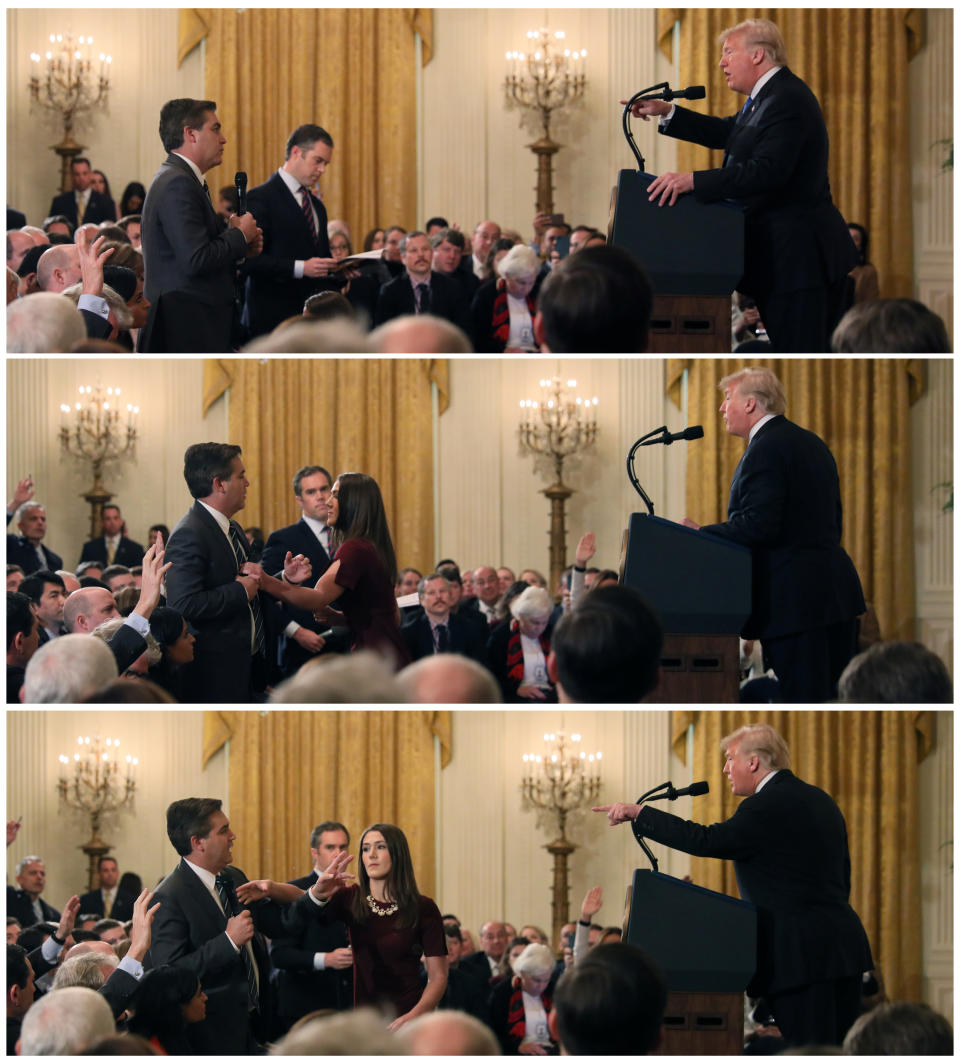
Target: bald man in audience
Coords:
[(448, 678), (64, 265), (449, 1033), (423, 333)]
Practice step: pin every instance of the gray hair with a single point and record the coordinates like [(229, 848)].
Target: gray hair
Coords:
[(115, 302), (519, 264), (420, 334), (30, 504), (68, 669), (43, 323), (449, 1032), (761, 383), (86, 969), (107, 629), (763, 33), (361, 677), (440, 678), (424, 580), (536, 959), (762, 740), (65, 1022), (29, 859), (533, 604), (362, 1032)]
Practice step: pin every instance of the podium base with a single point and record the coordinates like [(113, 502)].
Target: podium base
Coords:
[(698, 668), (693, 324), (700, 1024)]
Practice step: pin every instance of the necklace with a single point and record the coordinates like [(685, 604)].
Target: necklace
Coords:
[(382, 910)]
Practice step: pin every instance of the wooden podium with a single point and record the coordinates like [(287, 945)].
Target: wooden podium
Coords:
[(700, 587), (705, 944), (692, 253)]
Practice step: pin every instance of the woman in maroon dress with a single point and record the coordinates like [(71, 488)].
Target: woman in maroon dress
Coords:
[(363, 572), (391, 924)]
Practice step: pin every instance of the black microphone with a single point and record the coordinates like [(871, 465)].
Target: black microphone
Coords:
[(692, 92), (240, 180), (694, 432), (672, 793)]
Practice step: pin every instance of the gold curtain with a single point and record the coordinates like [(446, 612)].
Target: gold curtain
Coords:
[(362, 415), (868, 762), (861, 408), (290, 770), (350, 70), (856, 63)]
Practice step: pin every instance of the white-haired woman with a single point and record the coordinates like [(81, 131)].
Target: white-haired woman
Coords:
[(518, 651), (519, 1007), (503, 309)]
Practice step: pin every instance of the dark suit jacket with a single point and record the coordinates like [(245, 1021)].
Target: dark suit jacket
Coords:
[(465, 638), (300, 987), (785, 505), (99, 208), (790, 853), (273, 293), (18, 905), (122, 908), (447, 300), (189, 931), (15, 219), (776, 167), (202, 585), (299, 539), (190, 258), (20, 552), (129, 553)]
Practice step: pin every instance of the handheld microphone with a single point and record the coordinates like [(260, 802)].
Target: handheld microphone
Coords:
[(240, 180)]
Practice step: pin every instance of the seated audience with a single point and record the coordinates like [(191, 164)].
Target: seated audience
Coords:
[(452, 678), (607, 649), (100, 184), (131, 202), (896, 672), (333, 336), (43, 323), (323, 306), (177, 648), (139, 667), (59, 224), (433, 629), (23, 638), (518, 650), (357, 677), (20, 990), (132, 225), (420, 334), (374, 240), (900, 1029), (362, 1032), (598, 300), (88, 969), (610, 1004), (891, 326)]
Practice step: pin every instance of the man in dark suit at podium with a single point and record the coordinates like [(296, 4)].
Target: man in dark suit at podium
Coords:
[(797, 248), (785, 505), (788, 842)]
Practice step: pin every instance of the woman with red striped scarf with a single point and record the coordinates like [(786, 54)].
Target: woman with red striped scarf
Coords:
[(518, 650), (519, 1007), (503, 310)]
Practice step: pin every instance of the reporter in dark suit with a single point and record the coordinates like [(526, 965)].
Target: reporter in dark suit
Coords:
[(126, 551), (788, 842), (420, 290), (190, 253), (31, 879), (31, 519), (309, 536), (121, 903), (785, 505), (435, 630), (797, 250), (296, 260), (96, 207), (315, 964), (200, 926)]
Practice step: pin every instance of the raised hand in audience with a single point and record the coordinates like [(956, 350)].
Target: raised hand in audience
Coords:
[(586, 548), (23, 493), (153, 572), (13, 827), (592, 904), (142, 929), (68, 917), (91, 265)]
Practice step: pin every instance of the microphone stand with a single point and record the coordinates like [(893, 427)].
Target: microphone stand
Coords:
[(655, 94), (644, 441), (651, 794)]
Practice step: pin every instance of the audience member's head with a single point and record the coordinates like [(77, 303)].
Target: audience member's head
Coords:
[(360, 677), (43, 323), (598, 300), (896, 672), (23, 629), (89, 969), (309, 335), (87, 608), (607, 648), (167, 999), (59, 224), (323, 306), (65, 1022), (424, 333), (68, 669), (362, 1032), (449, 1033), (440, 678), (891, 326), (900, 1029), (610, 1003), (18, 244), (20, 986)]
